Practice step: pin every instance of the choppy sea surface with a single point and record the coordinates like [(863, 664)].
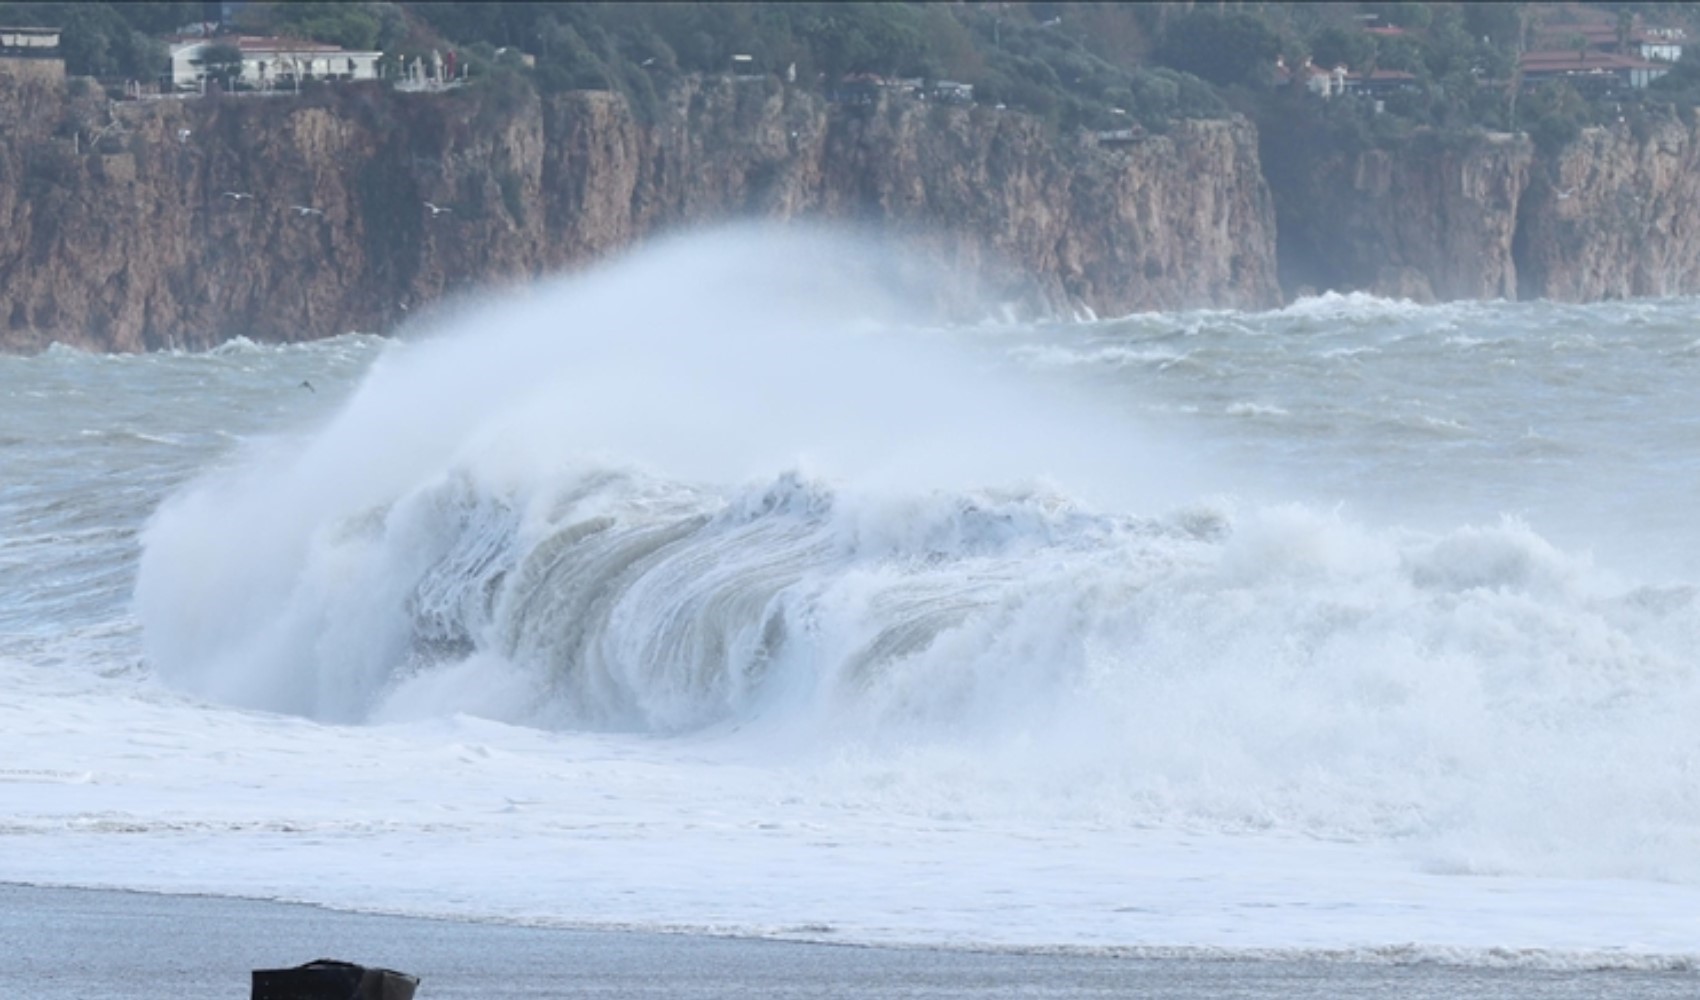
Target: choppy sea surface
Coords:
[(718, 590)]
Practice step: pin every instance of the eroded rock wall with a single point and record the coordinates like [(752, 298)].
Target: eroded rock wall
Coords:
[(1432, 220), (1616, 214), (129, 226), (1613, 214)]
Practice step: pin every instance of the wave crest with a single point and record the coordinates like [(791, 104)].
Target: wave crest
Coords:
[(582, 512)]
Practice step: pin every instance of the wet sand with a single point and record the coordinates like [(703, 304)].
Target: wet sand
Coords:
[(74, 944)]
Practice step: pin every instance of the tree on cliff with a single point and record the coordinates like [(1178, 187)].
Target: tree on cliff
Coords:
[(1335, 46), (1226, 49), (356, 26), (1554, 115), (845, 43)]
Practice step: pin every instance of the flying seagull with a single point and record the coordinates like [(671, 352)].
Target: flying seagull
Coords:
[(437, 210), (183, 135), (238, 195), (308, 386), (1562, 195), (305, 210)]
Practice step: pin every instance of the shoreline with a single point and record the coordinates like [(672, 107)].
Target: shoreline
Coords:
[(1354, 961)]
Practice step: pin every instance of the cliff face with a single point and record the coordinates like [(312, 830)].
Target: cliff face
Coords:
[(124, 226), (1615, 215), (1428, 222), (128, 226)]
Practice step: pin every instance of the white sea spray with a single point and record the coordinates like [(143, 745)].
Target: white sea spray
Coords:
[(1104, 634)]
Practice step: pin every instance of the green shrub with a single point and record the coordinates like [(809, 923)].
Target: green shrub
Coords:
[(1553, 116), (1222, 48)]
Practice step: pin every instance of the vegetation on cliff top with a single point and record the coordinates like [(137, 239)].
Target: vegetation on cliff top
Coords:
[(1010, 54), (1016, 55), (1452, 68)]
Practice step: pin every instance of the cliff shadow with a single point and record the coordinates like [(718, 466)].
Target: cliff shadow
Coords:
[(1532, 207), (1296, 148)]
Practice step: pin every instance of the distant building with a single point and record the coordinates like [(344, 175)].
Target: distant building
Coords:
[(1660, 44), (1600, 31), (29, 41), (32, 53), (951, 92), (271, 63), (867, 88), (1381, 82), (1324, 83), (1590, 68), (909, 86), (858, 88)]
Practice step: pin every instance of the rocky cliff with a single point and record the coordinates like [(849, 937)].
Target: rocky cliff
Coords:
[(1613, 214), (1429, 221), (137, 225)]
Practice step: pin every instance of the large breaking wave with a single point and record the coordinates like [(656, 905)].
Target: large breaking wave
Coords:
[(732, 484)]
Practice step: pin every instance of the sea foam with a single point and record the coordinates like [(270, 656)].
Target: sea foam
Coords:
[(736, 487)]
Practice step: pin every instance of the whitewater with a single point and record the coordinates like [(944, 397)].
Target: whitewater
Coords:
[(725, 588)]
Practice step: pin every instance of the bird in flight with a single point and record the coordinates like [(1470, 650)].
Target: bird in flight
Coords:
[(1565, 194), (437, 210), (305, 210), (308, 386), (238, 195), (183, 135)]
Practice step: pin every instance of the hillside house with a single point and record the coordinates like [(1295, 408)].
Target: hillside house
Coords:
[(1590, 69), (1644, 42), (1381, 82), (1323, 83), (1601, 31), (951, 92), (1660, 44), (271, 63), (32, 53)]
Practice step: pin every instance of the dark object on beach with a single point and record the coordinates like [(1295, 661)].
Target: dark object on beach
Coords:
[(329, 979)]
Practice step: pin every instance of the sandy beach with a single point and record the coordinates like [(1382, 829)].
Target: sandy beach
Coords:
[(74, 944)]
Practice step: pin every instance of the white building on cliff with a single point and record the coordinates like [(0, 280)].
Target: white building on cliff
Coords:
[(31, 52), (271, 63)]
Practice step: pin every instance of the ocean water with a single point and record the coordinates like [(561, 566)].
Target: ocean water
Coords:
[(722, 589)]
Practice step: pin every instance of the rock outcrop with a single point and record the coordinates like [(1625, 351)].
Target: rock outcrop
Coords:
[(138, 225), (1613, 214), (1616, 214)]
